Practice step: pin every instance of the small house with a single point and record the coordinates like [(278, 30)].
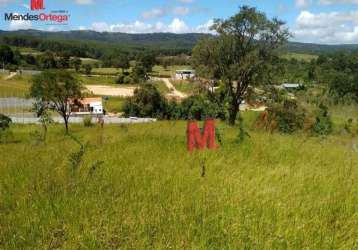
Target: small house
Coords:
[(184, 74), (87, 106)]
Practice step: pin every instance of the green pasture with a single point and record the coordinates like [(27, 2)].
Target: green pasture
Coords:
[(137, 187)]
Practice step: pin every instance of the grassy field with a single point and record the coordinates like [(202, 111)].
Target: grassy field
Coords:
[(15, 87), (162, 88), (185, 86), (98, 80), (89, 61), (114, 104), (27, 51), (138, 188), (106, 71), (300, 57)]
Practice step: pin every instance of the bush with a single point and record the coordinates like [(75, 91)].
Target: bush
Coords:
[(127, 80), (4, 122), (120, 79), (87, 121), (323, 124), (290, 117), (286, 117), (5, 135), (146, 102), (199, 107)]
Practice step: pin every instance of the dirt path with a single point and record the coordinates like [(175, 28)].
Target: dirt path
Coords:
[(173, 91), (111, 91), (12, 75)]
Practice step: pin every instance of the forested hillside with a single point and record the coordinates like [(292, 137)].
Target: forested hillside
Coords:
[(167, 43)]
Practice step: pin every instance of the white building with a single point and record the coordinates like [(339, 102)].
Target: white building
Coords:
[(87, 106), (184, 74)]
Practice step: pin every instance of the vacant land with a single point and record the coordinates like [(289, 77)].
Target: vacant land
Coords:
[(106, 71), (300, 57), (104, 90), (98, 80), (15, 87), (114, 104), (137, 188), (186, 87)]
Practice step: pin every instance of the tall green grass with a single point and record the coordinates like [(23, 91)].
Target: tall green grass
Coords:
[(16, 87), (138, 188)]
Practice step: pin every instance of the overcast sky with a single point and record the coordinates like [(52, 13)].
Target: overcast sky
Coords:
[(318, 21)]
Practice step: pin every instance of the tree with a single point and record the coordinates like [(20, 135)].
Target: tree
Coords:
[(139, 73), (41, 110), (6, 55), (47, 61), (147, 60), (4, 125), (4, 122), (344, 85), (88, 69), (241, 54), (122, 62), (146, 102), (57, 88), (76, 63), (64, 62)]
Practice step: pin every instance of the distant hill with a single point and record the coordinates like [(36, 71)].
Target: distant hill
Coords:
[(155, 40), (311, 48), (161, 40)]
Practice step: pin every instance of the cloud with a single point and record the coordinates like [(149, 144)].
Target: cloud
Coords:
[(176, 26), (182, 11), (303, 4), (331, 2), (330, 28), (84, 2), (154, 13), (161, 12), (186, 1), (20, 24)]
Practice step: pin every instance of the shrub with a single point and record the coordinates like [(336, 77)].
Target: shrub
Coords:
[(5, 135), (87, 121), (127, 80), (4, 122), (173, 111), (323, 124), (146, 102), (199, 107), (286, 117), (120, 79)]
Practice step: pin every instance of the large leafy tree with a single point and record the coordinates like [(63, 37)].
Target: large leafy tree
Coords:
[(241, 54), (6, 55), (57, 88), (146, 102), (76, 63)]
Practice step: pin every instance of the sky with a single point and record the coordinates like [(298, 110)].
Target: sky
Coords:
[(311, 21)]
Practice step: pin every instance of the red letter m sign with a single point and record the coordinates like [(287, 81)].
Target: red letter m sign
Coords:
[(37, 4), (198, 140)]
